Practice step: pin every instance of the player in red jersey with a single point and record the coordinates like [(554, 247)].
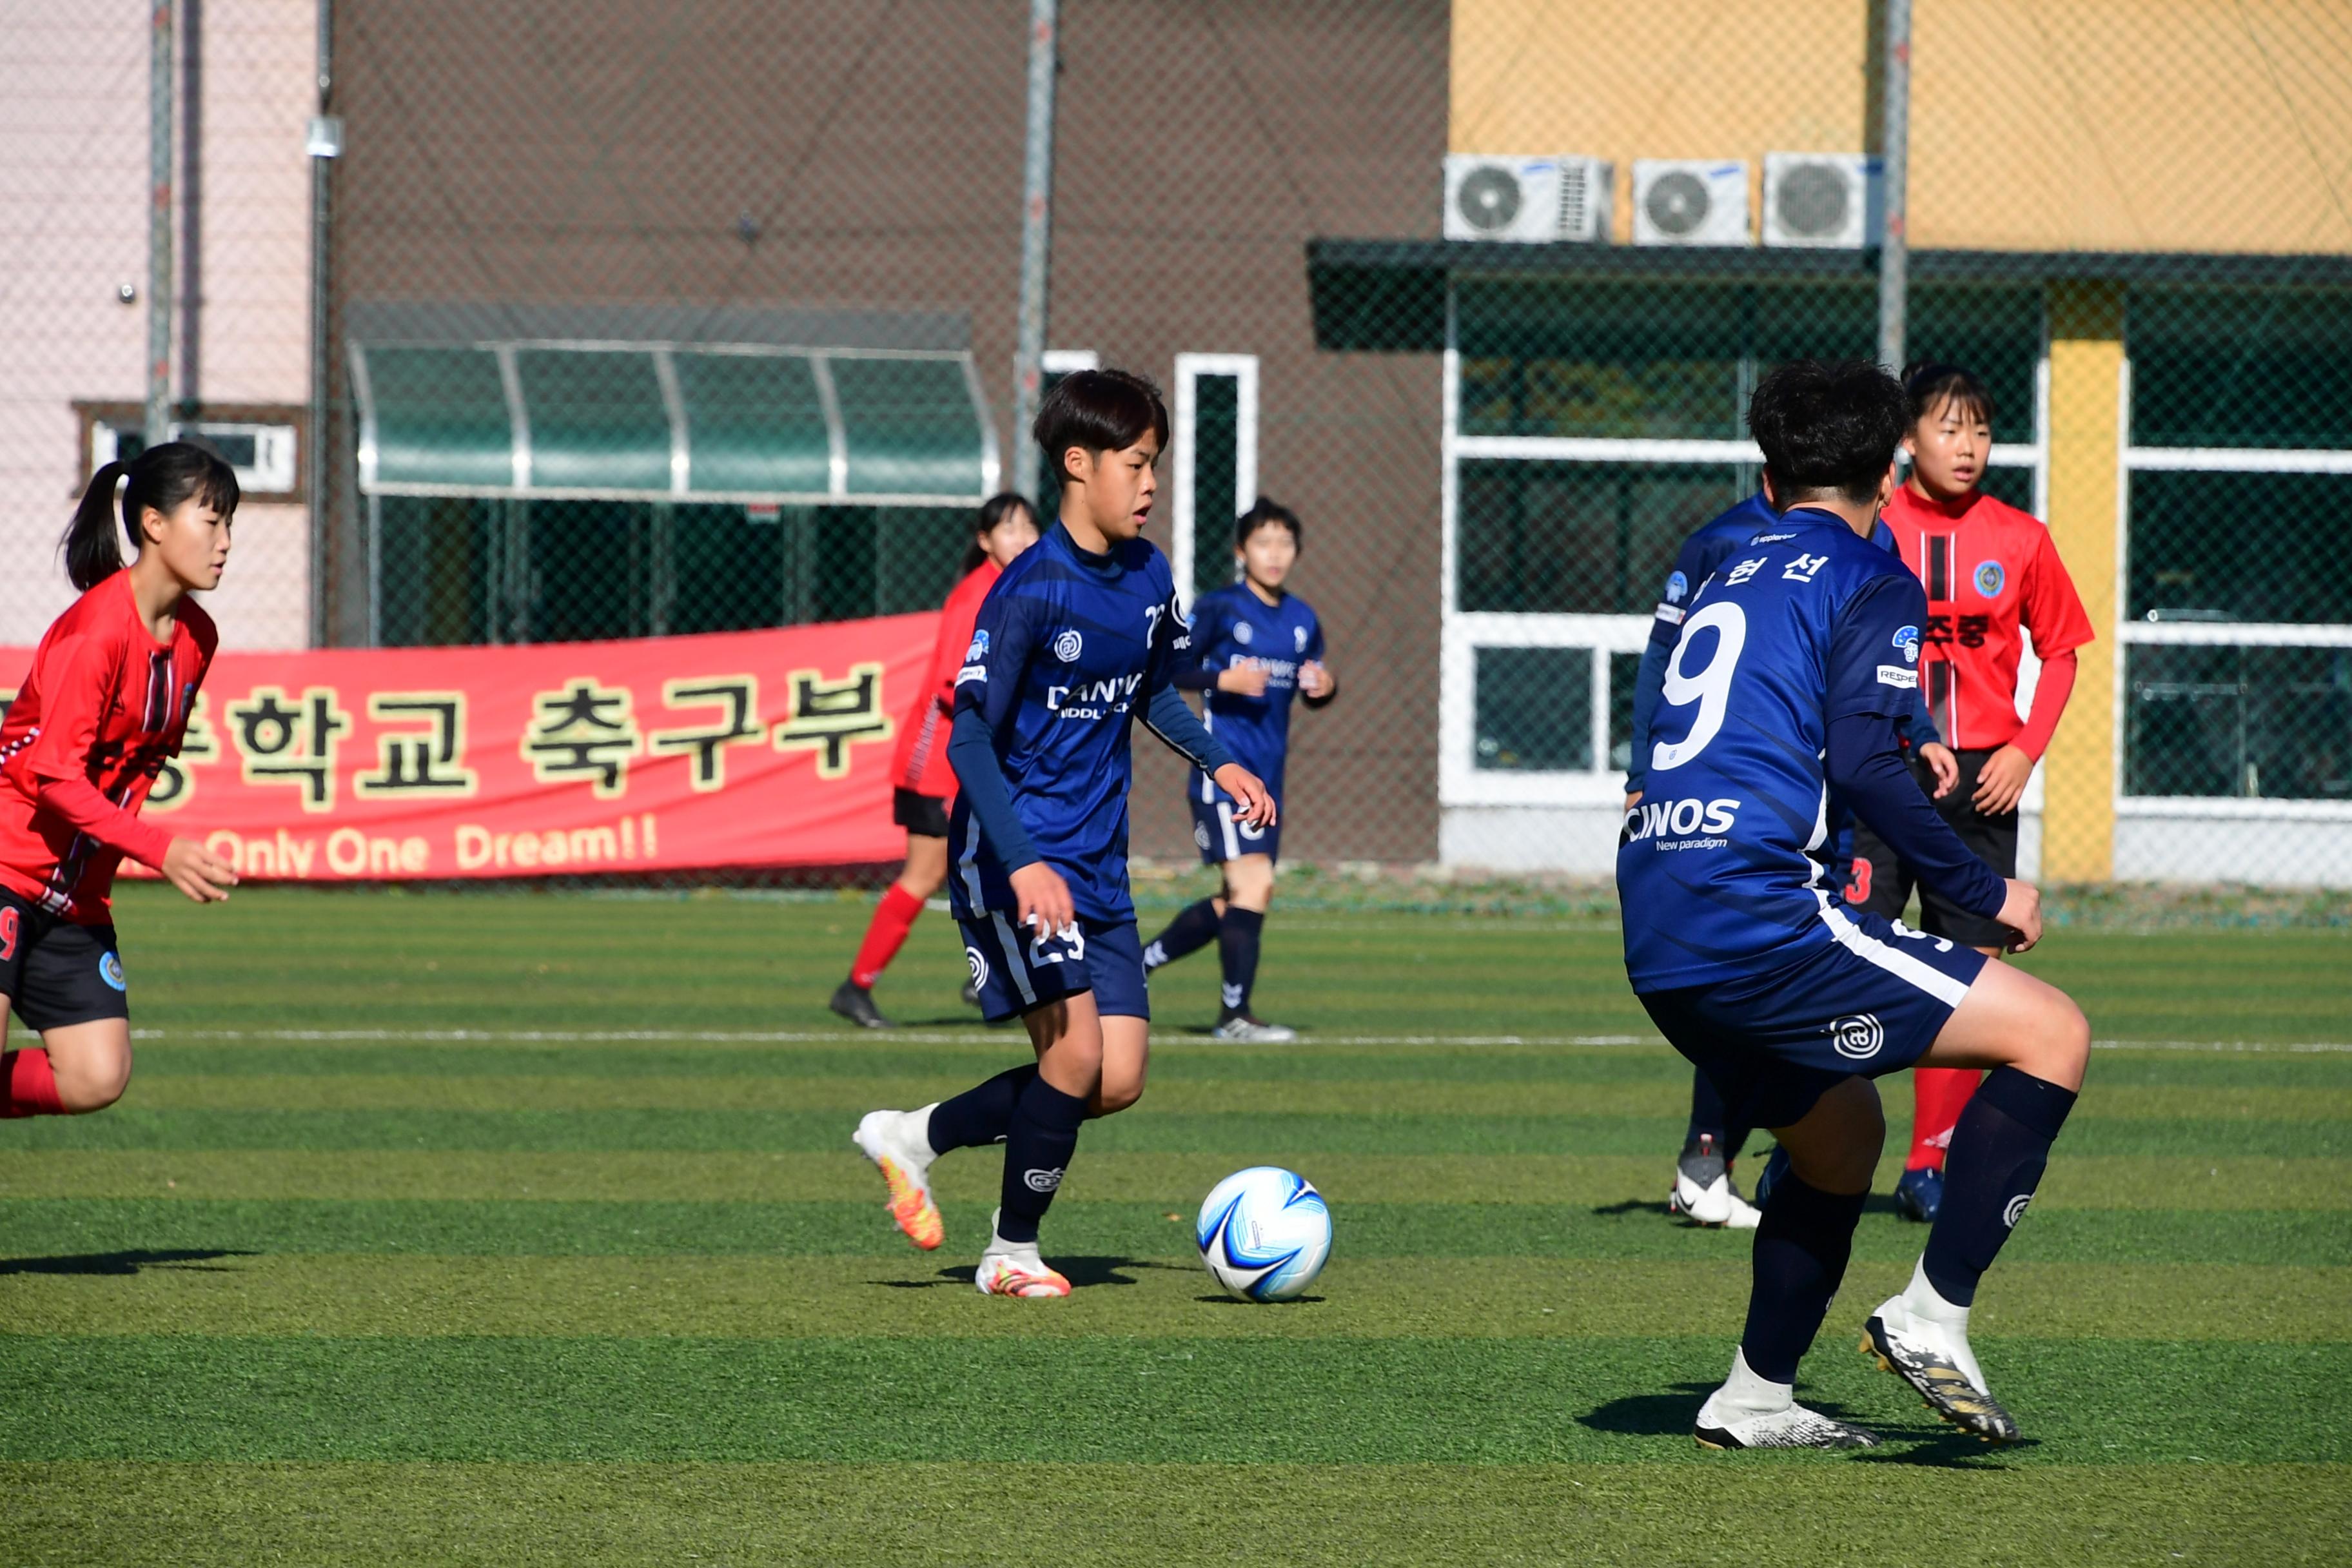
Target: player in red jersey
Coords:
[(106, 701), (925, 785), (1990, 569)]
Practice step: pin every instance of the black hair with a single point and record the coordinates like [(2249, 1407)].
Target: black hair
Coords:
[(991, 511), (1827, 425), (1099, 410), (1930, 384), (162, 476), (1265, 513)]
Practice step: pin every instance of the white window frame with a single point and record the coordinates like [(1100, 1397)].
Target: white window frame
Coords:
[(2134, 633), (1184, 534), (1461, 633)]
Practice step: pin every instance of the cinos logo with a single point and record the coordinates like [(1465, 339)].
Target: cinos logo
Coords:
[(1857, 1037), (1681, 818)]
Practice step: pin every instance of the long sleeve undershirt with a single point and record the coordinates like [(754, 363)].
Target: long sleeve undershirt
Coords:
[(86, 811), (1865, 768), (2050, 693)]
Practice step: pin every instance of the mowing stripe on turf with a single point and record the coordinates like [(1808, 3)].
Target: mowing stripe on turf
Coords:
[(1429, 1399), (904, 1294), (421, 1515), (125, 1233)]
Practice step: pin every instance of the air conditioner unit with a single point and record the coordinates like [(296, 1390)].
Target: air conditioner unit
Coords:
[(1690, 201), (1828, 199), (262, 455), (1530, 200)]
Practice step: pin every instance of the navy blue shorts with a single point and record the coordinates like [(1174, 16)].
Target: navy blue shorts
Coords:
[(1014, 971), (1220, 833), (1870, 1003)]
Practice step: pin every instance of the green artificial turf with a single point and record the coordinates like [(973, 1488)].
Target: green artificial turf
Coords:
[(525, 1230)]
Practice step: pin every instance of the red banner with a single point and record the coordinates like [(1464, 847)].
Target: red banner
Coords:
[(769, 748)]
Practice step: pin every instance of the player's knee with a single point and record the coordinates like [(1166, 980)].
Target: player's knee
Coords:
[(91, 1081), (2063, 1042), (1115, 1095)]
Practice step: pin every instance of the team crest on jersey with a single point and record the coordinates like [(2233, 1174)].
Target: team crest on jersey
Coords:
[(1069, 646), (1907, 639), (1242, 633), (978, 648), (109, 969), (1677, 588), (1990, 577), (1299, 636)]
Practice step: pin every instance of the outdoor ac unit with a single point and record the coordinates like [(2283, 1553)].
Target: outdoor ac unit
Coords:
[(1828, 199), (1690, 201), (1530, 200)]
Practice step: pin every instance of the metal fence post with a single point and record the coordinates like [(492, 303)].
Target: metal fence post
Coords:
[(160, 215), (1036, 217), (1895, 153)]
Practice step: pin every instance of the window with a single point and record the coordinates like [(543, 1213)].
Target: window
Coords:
[(1215, 477), (1590, 425), (2238, 597)]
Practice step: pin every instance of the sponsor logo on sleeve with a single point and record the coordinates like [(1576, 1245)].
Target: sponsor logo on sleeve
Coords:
[(978, 648), (970, 672), (1677, 588), (1906, 639), (1897, 676), (1989, 578)]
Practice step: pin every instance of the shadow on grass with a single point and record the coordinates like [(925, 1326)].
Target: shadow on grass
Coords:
[(120, 1262), (1083, 1273), (1237, 1302), (1650, 1415)]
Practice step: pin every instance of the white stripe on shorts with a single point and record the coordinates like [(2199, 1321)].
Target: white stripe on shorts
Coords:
[(1892, 959), (1232, 840), (1012, 964)]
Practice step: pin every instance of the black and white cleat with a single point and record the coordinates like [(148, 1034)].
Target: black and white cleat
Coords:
[(856, 1002), (1794, 1426), (1911, 1348)]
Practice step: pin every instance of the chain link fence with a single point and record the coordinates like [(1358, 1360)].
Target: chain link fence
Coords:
[(654, 318)]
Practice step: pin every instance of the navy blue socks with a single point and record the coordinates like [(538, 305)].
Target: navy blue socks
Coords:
[(1037, 1150), (1998, 1152), (1708, 1114), (1194, 928), (1802, 1248), (980, 1114), (1237, 946)]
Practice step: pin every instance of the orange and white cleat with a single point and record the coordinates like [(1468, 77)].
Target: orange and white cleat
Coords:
[(896, 1142), (1014, 1268)]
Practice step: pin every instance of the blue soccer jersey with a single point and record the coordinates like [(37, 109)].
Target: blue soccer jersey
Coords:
[(1722, 868), (1233, 627), (1068, 647)]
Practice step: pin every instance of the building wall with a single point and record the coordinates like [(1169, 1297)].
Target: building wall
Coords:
[(73, 226), (877, 148), (2102, 125)]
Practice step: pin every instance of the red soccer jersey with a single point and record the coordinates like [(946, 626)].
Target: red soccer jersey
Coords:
[(921, 764), (104, 704), (1989, 569)]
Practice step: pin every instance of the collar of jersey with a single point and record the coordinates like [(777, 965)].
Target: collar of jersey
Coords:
[(1105, 564), (1811, 516)]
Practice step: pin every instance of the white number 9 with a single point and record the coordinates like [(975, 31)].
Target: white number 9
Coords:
[(1710, 687)]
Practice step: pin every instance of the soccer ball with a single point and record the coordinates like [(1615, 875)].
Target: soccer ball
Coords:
[(1265, 1233)]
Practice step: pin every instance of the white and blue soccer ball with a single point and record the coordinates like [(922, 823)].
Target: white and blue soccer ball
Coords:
[(1265, 1233)]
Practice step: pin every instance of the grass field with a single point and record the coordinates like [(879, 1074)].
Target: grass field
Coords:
[(525, 1230)]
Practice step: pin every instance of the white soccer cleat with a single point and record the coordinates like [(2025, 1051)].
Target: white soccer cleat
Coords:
[(1748, 1412), (1014, 1268), (1703, 1191), (898, 1143), (1243, 1030), (1923, 1340)]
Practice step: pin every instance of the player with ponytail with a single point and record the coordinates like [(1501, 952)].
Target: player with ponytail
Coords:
[(105, 704)]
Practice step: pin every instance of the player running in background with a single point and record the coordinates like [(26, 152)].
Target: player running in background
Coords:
[(924, 785), (106, 703), (1793, 664), (1702, 1188), (1079, 634), (1989, 569), (1254, 648)]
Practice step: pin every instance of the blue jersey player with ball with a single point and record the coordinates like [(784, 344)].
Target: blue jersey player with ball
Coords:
[(1080, 637), (1796, 661), (1255, 647)]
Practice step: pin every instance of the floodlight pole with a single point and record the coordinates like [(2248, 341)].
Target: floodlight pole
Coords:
[(1036, 218), (160, 215), (1894, 150)]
